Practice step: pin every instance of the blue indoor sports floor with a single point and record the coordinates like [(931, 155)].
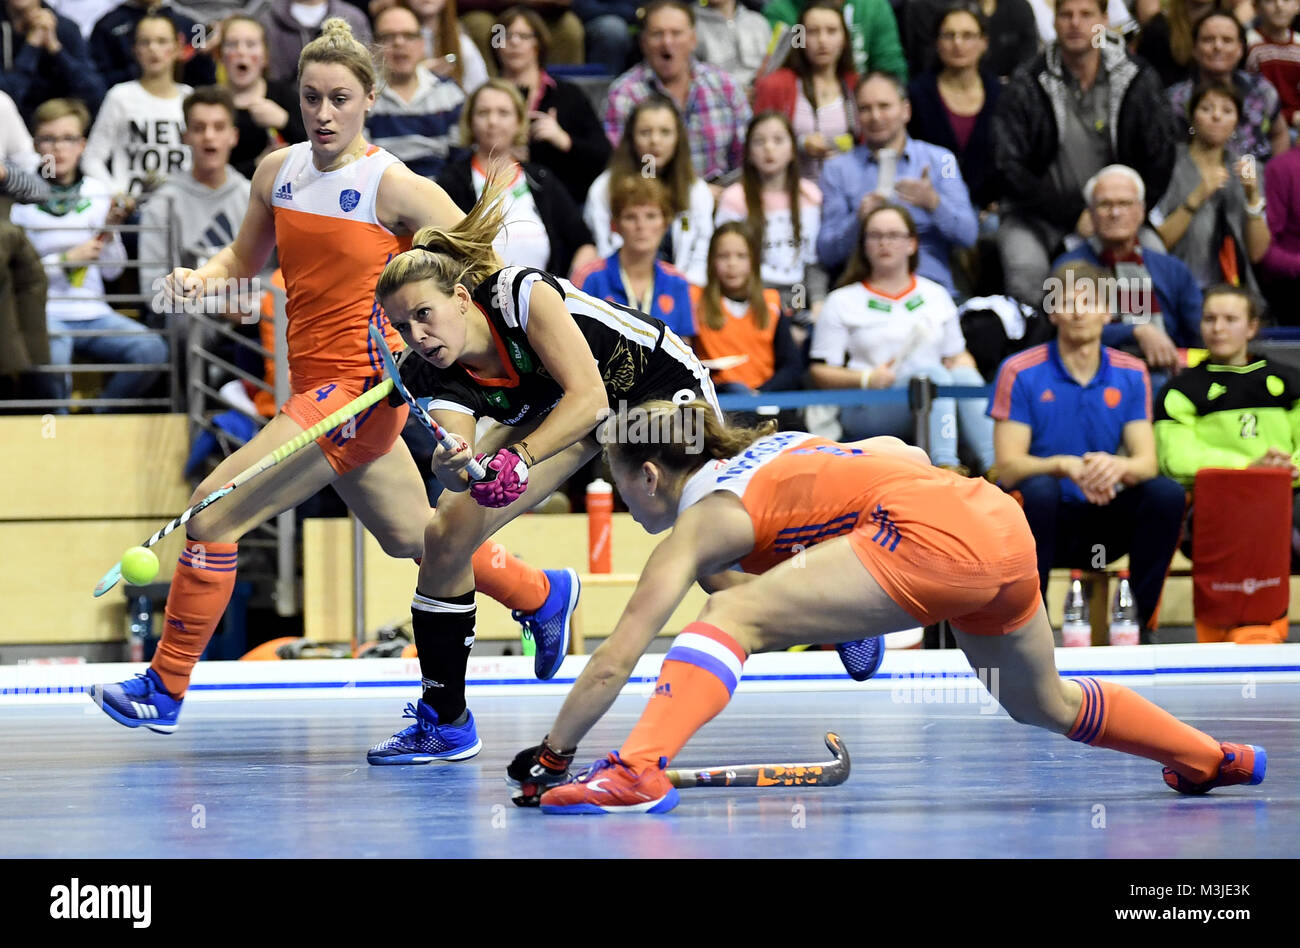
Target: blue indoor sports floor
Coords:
[(288, 777)]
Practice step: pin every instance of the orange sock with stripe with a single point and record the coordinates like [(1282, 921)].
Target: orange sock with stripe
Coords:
[(200, 592), (508, 579), (699, 675), (1121, 719)]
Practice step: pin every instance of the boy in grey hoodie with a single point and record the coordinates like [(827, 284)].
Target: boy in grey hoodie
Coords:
[(204, 206)]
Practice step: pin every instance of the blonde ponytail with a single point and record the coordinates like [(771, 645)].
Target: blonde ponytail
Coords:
[(462, 254), (678, 437), (336, 44)]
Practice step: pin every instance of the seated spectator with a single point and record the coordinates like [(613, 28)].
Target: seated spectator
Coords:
[(872, 28), (136, 139), (68, 231), (654, 145), (1220, 45), (479, 19), (607, 28), (884, 326), (416, 111), (1166, 42), (24, 338), (448, 51), (113, 44), (1273, 51), (543, 227), (712, 104), (268, 113), (43, 57), (1063, 412), (1280, 267), (198, 211), (633, 275), (953, 106), (1009, 28), (733, 38), (1237, 409), (741, 334), (1157, 302), (292, 24), (564, 134), (814, 89), (783, 210), (1112, 109), (922, 180), (1118, 19), (1212, 215)]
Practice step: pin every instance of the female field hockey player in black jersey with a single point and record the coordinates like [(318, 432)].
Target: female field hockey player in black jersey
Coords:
[(546, 361)]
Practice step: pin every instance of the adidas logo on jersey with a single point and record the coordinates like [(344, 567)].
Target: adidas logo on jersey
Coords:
[(1215, 391), (665, 690), (284, 192), (1047, 396)]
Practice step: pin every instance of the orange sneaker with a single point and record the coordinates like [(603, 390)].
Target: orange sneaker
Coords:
[(1242, 763), (611, 786)]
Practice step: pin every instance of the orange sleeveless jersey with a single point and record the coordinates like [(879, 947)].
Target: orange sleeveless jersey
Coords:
[(800, 490), (738, 337), (332, 249)]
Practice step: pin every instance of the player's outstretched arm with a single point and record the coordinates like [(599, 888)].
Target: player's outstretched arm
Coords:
[(252, 246), (408, 201), (708, 537)]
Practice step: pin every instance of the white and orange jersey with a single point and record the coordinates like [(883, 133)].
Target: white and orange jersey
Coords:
[(332, 249), (799, 490)]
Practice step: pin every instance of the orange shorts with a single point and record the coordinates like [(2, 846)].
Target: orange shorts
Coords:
[(351, 444), (989, 587)]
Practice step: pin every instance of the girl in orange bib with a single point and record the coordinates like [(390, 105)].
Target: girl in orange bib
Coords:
[(336, 209), (892, 543)]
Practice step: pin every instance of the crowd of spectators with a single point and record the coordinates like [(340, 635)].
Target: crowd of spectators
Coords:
[(809, 190)]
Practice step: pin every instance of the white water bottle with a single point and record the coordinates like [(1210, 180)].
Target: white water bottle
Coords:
[(1076, 630), (1123, 613)]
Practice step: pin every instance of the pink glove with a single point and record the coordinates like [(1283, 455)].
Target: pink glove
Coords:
[(507, 479)]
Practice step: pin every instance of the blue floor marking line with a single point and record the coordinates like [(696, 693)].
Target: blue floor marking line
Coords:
[(899, 676)]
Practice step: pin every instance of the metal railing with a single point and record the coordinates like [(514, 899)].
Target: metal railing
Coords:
[(204, 402), (170, 332)]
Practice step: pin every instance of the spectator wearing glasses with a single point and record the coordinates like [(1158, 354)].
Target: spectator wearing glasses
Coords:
[(1009, 28), (564, 134), (416, 111), (448, 51), (69, 232)]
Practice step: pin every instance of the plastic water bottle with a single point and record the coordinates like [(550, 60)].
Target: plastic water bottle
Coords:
[(1123, 613), (600, 526), (1076, 630), (141, 626)]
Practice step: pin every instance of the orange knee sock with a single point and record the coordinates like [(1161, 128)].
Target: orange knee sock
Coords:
[(1119, 718), (200, 592), (508, 579), (699, 674)]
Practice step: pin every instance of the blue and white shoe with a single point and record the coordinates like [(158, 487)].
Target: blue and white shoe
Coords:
[(550, 625), (139, 702), (862, 658), (426, 740)]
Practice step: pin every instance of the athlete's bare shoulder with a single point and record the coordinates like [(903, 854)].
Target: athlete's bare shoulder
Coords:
[(265, 173), (408, 201)]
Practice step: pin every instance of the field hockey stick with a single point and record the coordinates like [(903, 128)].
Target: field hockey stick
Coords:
[(474, 469), (831, 773), (293, 446)]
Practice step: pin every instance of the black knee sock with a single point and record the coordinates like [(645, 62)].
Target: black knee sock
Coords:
[(444, 635)]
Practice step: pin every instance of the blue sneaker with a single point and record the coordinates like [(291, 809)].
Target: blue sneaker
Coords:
[(550, 625), (862, 658), (139, 702), (426, 740)]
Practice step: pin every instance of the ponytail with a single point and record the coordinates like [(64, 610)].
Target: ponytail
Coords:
[(462, 254), (677, 437)]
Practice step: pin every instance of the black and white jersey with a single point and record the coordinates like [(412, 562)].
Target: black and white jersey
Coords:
[(639, 357)]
